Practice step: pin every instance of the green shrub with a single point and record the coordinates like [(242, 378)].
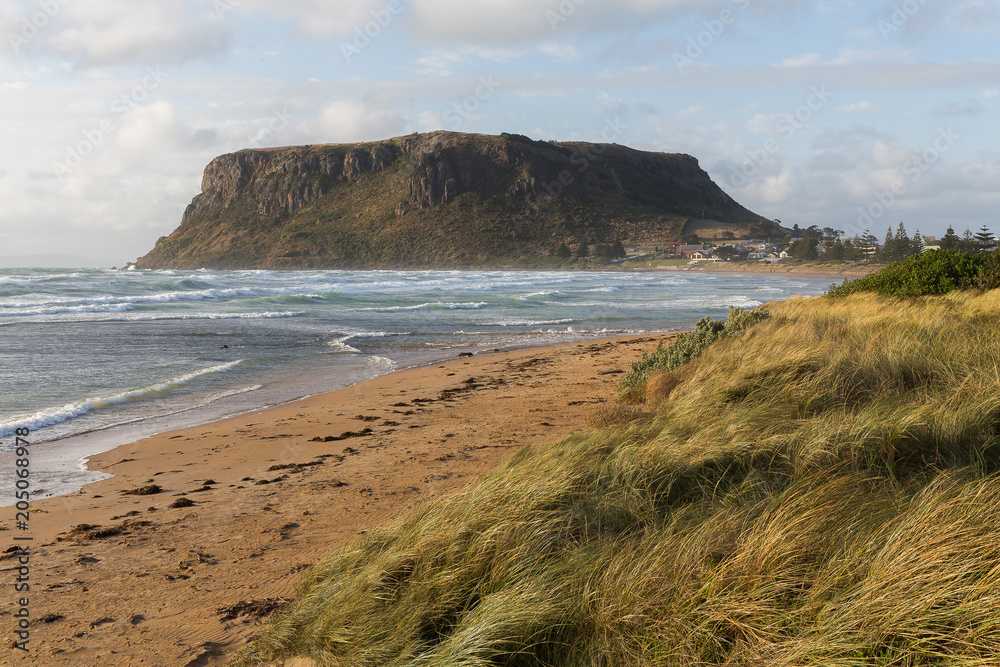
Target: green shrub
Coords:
[(989, 276), (936, 272), (685, 347)]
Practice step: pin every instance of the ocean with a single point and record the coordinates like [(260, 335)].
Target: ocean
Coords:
[(95, 358)]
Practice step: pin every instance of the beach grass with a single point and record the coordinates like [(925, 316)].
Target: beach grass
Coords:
[(816, 487)]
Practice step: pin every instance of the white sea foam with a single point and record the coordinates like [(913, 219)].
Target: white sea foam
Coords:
[(428, 306), (381, 364), (57, 415), (340, 345), (515, 322)]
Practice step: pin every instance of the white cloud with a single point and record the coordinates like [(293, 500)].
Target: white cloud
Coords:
[(971, 108), (560, 52), (763, 124), (990, 93), (857, 107), (328, 18), (803, 60), (442, 62), (430, 121), (492, 22), (117, 32), (341, 121), (159, 127), (977, 17), (850, 56)]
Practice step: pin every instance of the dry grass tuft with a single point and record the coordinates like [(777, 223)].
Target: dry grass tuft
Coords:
[(617, 414), (820, 489)]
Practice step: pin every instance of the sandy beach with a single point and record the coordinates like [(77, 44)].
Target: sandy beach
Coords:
[(204, 531)]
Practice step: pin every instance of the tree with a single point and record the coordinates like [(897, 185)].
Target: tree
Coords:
[(984, 239), (968, 242), (836, 250), (919, 242), (888, 246), (902, 246), (950, 240), (853, 249), (583, 250), (804, 248), (563, 251), (617, 250)]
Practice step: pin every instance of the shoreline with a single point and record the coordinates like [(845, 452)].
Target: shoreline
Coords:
[(67, 459), (123, 578), (780, 270)]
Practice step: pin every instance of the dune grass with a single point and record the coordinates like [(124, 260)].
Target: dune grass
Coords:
[(818, 489)]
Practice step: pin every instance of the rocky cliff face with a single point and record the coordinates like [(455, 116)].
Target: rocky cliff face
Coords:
[(456, 198)]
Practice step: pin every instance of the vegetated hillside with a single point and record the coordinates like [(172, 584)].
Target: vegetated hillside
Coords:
[(815, 487), (439, 199)]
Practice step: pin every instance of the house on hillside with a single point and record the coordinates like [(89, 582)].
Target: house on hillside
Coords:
[(762, 252), (686, 251)]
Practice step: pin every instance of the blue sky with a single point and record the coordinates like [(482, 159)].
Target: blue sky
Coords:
[(836, 113)]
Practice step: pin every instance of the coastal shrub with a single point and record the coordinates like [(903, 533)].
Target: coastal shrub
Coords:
[(824, 493), (685, 347), (929, 273), (989, 275)]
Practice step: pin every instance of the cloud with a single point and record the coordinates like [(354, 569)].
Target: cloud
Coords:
[(560, 52), (488, 22), (977, 17), (850, 56), (857, 107), (803, 60), (158, 127), (343, 121), (326, 18), (97, 33), (971, 108), (443, 62)]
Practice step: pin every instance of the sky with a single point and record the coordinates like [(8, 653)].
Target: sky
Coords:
[(835, 113)]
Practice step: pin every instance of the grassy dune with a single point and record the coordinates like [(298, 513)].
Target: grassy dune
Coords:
[(815, 488)]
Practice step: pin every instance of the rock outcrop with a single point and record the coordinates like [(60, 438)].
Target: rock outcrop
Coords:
[(438, 199)]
